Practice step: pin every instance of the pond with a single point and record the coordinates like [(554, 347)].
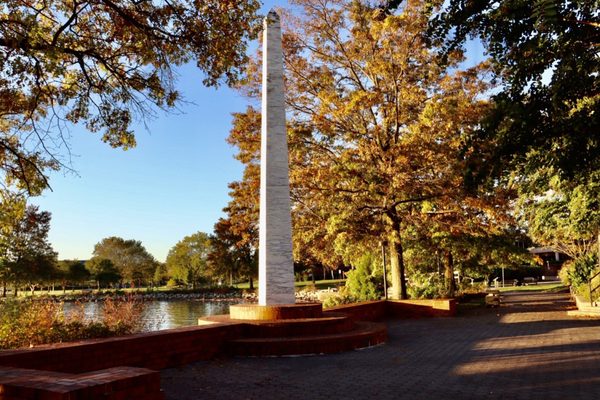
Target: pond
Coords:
[(163, 314)]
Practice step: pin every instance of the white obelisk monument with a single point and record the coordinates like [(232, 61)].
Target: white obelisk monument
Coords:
[(275, 261)]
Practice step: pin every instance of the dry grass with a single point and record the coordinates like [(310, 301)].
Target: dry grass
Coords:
[(30, 323)]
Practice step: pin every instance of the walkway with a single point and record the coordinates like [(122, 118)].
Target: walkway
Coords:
[(527, 349)]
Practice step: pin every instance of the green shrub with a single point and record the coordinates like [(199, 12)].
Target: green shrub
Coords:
[(172, 283), (365, 279), (342, 297), (466, 287), (577, 272), (426, 286)]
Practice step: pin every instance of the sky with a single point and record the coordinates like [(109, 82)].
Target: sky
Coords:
[(172, 184)]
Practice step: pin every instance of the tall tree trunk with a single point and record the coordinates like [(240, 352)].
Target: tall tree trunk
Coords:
[(16, 290), (449, 274), (3, 288), (251, 283), (396, 259)]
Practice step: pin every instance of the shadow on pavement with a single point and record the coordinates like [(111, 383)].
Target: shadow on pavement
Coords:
[(527, 349)]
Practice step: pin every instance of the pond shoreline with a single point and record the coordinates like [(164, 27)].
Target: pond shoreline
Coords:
[(218, 295), (94, 296)]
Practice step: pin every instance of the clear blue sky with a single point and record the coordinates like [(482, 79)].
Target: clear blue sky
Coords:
[(174, 183)]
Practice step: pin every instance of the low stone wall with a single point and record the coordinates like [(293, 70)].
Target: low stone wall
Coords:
[(584, 308), (364, 311), (420, 308), (379, 310), (153, 350)]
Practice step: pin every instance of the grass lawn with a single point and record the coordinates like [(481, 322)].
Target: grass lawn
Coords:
[(77, 292), (320, 284)]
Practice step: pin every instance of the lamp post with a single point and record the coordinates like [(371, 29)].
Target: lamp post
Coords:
[(383, 243)]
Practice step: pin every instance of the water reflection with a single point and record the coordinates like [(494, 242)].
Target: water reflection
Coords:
[(162, 314)]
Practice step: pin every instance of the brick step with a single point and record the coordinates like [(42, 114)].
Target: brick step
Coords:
[(330, 324), (119, 383), (299, 327), (364, 334)]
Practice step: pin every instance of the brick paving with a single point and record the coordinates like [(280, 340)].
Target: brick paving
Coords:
[(526, 349)]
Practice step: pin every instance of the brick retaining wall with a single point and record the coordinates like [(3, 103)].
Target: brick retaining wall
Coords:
[(154, 350), (420, 308), (157, 350), (363, 311)]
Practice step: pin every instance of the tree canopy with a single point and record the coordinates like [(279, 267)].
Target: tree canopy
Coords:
[(187, 260), (540, 135), (103, 64), (129, 257), (103, 270), (26, 257), (376, 128), (546, 114)]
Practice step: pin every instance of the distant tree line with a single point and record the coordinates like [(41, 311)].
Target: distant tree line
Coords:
[(27, 260)]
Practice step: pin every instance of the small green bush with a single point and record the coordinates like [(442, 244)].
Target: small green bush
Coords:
[(426, 286), (466, 287), (338, 299), (577, 272), (172, 283), (364, 281)]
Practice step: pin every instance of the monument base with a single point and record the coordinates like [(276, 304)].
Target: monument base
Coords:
[(255, 312), (294, 329)]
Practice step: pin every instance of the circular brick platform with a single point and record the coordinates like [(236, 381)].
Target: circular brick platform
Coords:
[(256, 312)]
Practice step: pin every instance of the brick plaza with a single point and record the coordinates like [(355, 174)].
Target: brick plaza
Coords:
[(526, 349)]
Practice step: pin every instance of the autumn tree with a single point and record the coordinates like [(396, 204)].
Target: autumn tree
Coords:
[(471, 234), (386, 119), (235, 239), (103, 64), (130, 258), (375, 129), (187, 260)]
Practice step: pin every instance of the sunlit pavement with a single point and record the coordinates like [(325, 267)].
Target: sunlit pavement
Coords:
[(527, 349)]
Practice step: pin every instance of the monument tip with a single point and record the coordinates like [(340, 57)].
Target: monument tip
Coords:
[(272, 16)]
